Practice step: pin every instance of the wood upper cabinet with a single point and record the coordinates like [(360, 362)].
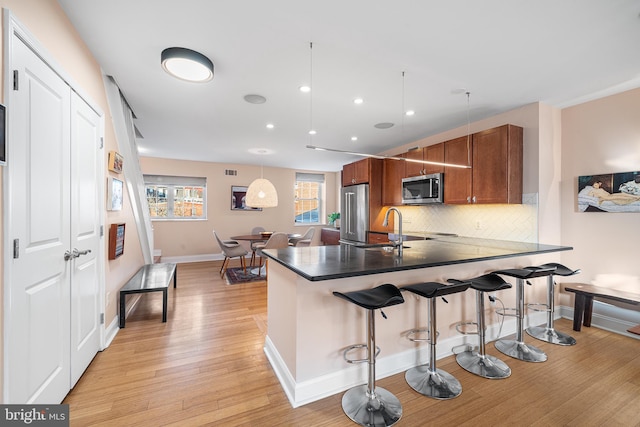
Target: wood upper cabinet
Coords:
[(392, 173), (414, 169), (457, 181), (356, 172), (433, 153), (496, 174), (497, 165)]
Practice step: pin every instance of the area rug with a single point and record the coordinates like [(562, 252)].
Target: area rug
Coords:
[(237, 275)]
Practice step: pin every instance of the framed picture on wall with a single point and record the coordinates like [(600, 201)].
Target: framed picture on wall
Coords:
[(115, 162), (238, 197), (115, 188), (609, 192)]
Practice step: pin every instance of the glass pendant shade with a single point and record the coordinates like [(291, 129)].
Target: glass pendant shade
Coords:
[(262, 194)]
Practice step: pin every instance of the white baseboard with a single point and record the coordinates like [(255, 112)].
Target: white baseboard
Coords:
[(111, 331), (352, 375)]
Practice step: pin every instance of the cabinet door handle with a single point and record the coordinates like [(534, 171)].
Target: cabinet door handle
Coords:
[(474, 199), (468, 199)]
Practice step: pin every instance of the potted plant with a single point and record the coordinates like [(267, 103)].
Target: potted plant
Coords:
[(334, 218)]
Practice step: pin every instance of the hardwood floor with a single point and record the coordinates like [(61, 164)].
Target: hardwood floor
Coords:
[(206, 366)]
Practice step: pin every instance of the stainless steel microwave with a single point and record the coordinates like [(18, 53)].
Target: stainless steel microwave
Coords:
[(424, 189)]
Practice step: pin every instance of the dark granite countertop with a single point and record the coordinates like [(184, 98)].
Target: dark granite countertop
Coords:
[(317, 263)]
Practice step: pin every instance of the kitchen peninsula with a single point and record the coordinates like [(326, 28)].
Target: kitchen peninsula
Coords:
[(308, 328)]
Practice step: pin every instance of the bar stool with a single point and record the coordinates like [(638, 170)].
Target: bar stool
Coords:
[(548, 333), (517, 348), (478, 362), (427, 379), (369, 405)]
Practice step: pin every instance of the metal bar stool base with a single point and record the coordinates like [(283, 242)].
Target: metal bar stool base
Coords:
[(382, 409), (437, 384), (486, 366), (521, 351), (550, 335)]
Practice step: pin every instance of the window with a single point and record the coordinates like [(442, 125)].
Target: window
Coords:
[(308, 196), (176, 197)]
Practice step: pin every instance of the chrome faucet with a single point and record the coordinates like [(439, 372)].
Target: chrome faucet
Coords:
[(398, 242)]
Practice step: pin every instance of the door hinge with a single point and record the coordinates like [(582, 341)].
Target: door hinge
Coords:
[(101, 142), (101, 230), (15, 79), (16, 248), (102, 318)]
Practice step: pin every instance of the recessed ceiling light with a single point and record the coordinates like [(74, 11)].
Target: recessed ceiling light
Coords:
[(358, 101), (383, 125), (410, 113), (255, 99), (261, 151), (354, 138), (186, 64), (270, 126), (312, 132), (305, 89)]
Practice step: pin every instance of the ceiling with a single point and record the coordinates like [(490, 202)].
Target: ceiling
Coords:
[(505, 53)]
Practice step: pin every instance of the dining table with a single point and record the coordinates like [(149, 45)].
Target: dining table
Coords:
[(259, 237)]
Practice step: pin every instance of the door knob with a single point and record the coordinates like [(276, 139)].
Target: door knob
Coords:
[(68, 255), (76, 253)]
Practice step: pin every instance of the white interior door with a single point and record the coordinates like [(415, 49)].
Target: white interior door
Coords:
[(38, 324), (86, 190), (53, 212)]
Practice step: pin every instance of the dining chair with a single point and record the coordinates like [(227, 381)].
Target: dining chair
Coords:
[(304, 240), (276, 241), (255, 245), (231, 250)]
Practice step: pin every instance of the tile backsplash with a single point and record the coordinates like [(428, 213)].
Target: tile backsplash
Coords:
[(502, 222)]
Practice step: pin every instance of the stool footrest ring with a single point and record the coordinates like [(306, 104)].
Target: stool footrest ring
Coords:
[(538, 306), (460, 327), (355, 347), (413, 332), (507, 312)]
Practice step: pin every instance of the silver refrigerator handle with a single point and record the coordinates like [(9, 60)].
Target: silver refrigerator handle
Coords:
[(348, 204)]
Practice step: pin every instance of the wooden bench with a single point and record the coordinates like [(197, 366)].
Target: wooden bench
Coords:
[(150, 278), (583, 305)]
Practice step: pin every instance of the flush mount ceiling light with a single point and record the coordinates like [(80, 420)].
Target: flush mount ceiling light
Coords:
[(358, 101), (186, 64)]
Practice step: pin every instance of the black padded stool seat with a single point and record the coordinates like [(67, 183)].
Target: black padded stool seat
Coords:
[(372, 299), (367, 404), (434, 289), (428, 379), (517, 348), (479, 362), (548, 333)]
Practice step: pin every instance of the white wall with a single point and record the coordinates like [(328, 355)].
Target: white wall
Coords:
[(193, 240), (601, 136)]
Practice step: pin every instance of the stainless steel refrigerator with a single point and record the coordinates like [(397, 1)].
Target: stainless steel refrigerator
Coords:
[(354, 214)]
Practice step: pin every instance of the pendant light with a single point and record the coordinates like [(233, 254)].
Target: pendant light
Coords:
[(261, 192)]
